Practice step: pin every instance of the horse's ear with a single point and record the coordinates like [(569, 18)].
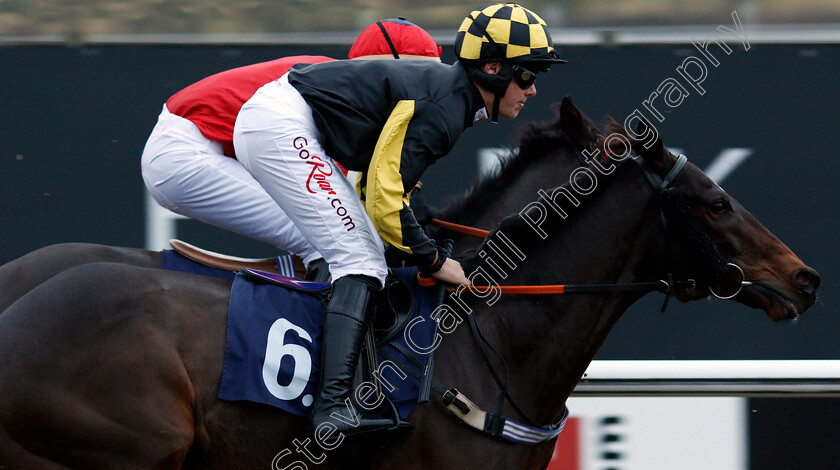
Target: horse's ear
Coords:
[(648, 144), (574, 123), (568, 111)]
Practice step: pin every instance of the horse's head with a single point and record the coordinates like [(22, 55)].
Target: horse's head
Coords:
[(721, 244)]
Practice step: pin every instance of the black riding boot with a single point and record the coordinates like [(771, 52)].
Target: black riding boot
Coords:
[(348, 313)]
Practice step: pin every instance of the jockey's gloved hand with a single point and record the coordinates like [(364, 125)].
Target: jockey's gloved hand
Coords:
[(446, 248)]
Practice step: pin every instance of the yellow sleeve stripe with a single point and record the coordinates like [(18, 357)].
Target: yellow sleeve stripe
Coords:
[(384, 191)]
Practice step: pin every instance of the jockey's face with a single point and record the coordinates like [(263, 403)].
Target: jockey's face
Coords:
[(515, 96), (514, 99)]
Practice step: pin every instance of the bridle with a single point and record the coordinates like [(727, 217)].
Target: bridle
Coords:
[(744, 283), (661, 185)]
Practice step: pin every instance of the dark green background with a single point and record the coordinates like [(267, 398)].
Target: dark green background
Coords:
[(75, 118)]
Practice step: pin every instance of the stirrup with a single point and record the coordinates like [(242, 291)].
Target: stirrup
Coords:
[(365, 426)]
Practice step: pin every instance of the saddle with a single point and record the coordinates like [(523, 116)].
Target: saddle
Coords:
[(399, 306), (232, 263)]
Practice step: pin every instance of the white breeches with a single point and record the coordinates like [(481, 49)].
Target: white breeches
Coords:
[(188, 174), (277, 142)]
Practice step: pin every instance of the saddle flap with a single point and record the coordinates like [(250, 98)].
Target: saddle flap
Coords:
[(394, 307), (297, 285)]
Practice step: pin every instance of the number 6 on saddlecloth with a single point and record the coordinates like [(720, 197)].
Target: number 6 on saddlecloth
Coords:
[(275, 351)]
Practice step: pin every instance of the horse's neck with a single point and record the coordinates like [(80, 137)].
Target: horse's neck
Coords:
[(548, 341), (510, 193), (522, 188)]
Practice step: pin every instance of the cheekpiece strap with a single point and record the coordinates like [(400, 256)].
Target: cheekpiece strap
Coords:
[(661, 184)]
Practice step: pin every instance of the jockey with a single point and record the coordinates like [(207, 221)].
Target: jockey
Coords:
[(388, 120), (189, 162)]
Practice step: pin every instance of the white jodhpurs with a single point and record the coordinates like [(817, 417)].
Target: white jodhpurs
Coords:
[(188, 174), (277, 142)]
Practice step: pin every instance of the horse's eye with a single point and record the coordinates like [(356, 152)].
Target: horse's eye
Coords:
[(721, 206)]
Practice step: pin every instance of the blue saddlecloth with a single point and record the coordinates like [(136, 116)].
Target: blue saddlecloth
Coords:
[(272, 354)]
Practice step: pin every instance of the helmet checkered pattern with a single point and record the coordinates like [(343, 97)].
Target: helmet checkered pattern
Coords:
[(504, 32)]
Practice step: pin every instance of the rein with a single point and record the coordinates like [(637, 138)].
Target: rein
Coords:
[(668, 287), (458, 228), (661, 285)]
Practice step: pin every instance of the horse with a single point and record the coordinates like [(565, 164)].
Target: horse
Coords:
[(539, 163), (112, 365)]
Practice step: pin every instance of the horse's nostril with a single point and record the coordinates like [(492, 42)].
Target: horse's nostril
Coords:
[(807, 280)]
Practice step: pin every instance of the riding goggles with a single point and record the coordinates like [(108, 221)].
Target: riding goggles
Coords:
[(523, 77)]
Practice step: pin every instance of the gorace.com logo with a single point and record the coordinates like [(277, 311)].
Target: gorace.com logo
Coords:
[(318, 182)]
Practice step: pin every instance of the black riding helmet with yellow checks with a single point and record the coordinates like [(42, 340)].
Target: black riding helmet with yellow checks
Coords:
[(506, 33)]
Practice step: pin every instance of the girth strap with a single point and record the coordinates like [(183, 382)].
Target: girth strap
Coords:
[(475, 417), (497, 425)]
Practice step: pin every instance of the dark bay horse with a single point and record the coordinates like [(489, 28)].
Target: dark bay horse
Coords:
[(544, 160), (116, 366)]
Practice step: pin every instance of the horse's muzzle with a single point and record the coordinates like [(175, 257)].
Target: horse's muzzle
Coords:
[(807, 281)]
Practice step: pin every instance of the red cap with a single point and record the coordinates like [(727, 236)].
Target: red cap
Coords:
[(406, 37)]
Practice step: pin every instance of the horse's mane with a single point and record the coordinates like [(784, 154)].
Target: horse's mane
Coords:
[(522, 235), (612, 127), (536, 142)]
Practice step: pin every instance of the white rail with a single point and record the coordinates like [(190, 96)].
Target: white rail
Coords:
[(807, 33), (711, 378)]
